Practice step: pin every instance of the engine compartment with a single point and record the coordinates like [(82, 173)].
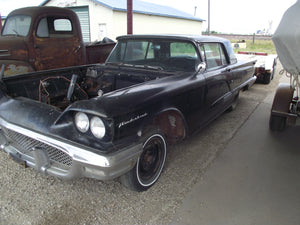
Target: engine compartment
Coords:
[(60, 88)]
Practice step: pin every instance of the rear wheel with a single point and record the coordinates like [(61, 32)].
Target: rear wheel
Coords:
[(149, 165), (234, 103)]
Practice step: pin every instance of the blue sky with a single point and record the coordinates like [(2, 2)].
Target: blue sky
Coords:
[(230, 16)]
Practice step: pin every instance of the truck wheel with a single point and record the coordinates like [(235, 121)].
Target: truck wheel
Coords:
[(149, 164), (277, 123)]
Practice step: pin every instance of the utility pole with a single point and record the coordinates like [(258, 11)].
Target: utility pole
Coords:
[(129, 17), (208, 20)]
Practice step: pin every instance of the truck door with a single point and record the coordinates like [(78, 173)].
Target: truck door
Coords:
[(56, 44), (217, 94)]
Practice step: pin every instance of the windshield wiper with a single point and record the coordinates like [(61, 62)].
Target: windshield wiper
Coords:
[(16, 32), (120, 64), (150, 67), (136, 66)]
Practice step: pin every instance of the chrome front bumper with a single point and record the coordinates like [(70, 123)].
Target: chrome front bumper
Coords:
[(61, 158)]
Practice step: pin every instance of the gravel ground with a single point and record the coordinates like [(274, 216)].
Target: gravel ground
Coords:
[(27, 197)]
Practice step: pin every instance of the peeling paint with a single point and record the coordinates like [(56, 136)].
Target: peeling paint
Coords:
[(13, 69)]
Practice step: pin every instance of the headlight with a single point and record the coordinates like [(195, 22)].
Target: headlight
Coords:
[(97, 127), (82, 122)]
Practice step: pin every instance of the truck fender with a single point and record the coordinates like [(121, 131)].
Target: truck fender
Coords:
[(172, 123), (14, 67)]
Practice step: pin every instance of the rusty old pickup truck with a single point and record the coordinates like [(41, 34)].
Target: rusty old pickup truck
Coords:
[(116, 120), (42, 38)]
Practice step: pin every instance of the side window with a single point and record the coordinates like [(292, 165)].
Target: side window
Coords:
[(223, 56), (54, 27), (214, 55), (182, 49), (150, 53), (202, 51), (62, 25), (43, 30)]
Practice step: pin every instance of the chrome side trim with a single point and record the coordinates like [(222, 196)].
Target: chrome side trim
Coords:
[(4, 53)]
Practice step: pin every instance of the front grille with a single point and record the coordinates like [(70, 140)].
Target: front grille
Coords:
[(25, 144)]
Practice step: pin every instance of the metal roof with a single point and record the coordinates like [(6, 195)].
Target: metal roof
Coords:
[(144, 8), (148, 9)]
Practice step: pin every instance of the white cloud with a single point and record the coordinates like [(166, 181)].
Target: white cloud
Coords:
[(9, 5)]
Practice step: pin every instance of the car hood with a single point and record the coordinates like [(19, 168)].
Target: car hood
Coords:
[(129, 99), (34, 115)]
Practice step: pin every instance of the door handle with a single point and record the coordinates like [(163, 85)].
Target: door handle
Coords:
[(227, 70), (77, 49)]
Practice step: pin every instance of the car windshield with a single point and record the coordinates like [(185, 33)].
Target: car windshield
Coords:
[(160, 54), (17, 25)]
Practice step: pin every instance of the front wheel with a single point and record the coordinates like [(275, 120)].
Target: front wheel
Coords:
[(149, 164)]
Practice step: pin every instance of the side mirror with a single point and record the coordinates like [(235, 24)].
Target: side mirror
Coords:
[(201, 67)]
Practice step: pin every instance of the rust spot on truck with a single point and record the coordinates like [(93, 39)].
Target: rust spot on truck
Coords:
[(13, 69)]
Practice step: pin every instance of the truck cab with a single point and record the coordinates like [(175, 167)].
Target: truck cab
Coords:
[(41, 38)]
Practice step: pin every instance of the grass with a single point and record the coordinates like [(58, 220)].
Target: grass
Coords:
[(258, 46)]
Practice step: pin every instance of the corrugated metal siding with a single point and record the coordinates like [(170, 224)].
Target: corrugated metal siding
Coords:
[(83, 15)]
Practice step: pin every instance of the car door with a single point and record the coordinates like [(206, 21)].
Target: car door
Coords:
[(56, 44), (218, 96)]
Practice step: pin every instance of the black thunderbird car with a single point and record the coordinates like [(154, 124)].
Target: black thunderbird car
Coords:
[(116, 120)]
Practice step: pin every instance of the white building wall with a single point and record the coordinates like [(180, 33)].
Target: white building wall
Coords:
[(116, 21), (98, 15), (119, 24), (146, 24)]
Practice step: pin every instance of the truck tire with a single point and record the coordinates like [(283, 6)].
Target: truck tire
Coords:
[(149, 164)]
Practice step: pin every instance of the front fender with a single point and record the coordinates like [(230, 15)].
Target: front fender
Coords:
[(15, 67), (172, 123)]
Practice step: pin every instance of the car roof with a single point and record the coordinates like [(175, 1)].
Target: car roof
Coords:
[(195, 38)]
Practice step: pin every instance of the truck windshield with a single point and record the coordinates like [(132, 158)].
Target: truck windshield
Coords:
[(17, 25), (167, 55)]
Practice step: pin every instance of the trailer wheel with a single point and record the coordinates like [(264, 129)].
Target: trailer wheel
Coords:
[(277, 123), (281, 104), (149, 164)]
